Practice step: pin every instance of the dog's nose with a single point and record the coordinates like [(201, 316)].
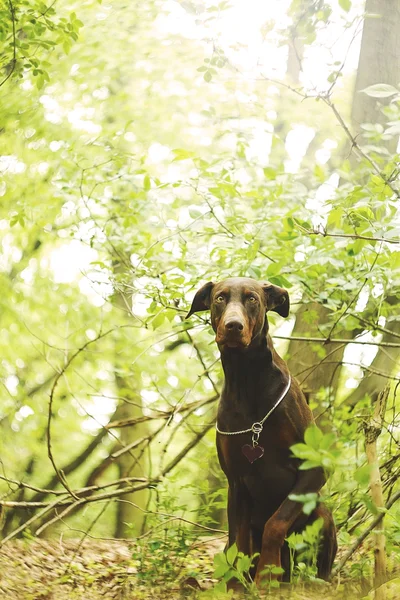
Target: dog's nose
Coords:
[(234, 325)]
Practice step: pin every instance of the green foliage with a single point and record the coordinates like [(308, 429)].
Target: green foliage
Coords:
[(29, 33), (317, 450), (234, 565), (304, 547), (161, 555), (309, 501)]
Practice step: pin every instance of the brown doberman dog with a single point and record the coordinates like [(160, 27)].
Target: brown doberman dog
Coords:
[(262, 413)]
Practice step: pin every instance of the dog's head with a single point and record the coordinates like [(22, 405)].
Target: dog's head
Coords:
[(238, 308)]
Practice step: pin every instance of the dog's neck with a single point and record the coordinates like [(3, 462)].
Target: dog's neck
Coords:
[(254, 379)]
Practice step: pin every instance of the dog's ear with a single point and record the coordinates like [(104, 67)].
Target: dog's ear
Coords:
[(201, 301), (276, 299)]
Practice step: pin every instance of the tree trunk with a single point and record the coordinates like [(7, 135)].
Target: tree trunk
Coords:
[(379, 62), (315, 366), (129, 519), (130, 464)]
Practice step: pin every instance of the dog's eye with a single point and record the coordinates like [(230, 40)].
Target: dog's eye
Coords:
[(219, 299), (252, 299)]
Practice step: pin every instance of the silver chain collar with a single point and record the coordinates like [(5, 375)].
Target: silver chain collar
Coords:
[(257, 427)]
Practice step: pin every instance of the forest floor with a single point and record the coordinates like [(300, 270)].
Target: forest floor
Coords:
[(113, 569)]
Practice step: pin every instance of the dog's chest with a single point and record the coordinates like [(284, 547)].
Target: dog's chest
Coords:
[(274, 466), (268, 480)]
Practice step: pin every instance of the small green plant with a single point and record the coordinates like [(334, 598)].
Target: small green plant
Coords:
[(233, 564), (160, 554), (304, 547), (269, 574)]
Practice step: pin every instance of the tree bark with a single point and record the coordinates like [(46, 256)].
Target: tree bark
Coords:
[(379, 62), (307, 363), (129, 519)]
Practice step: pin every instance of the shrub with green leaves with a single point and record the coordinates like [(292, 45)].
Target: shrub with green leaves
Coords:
[(317, 450)]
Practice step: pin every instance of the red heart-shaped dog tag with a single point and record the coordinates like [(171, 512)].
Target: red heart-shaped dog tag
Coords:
[(252, 453)]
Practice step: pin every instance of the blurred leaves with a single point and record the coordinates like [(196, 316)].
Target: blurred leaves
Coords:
[(30, 32)]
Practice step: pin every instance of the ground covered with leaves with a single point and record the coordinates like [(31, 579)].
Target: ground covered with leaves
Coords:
[(116, 569)]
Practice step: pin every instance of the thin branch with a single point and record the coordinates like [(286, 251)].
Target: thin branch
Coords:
[(128, 489), (335, 341), (14, 44), (22, 484), (355, 146), (354, 236), (356, 295), (60, 475), (162, 415), (170, 517)]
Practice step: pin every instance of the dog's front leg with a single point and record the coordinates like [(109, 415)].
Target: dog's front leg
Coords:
[(277, 527), (239, 517)]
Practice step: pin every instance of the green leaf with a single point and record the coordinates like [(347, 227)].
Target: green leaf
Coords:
[(220, 559), (305, 452), (252, 250), (309, 501), (220, 571), (158, 320), (274, 268), (308, 464), (207, 76), (362, 475), (394, 129), (195, 213), (243, 564), (345, 4), (146, 183), (319, 173), (220, 588), (280, 280), (277, 570), (327, 441), (181, 154), (229, 574), (335, 217), (313, 437), (231, 554), (380, 90)]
